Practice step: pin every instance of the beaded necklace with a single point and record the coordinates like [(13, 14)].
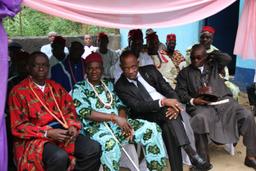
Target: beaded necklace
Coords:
[(62, 121), (106, 105)]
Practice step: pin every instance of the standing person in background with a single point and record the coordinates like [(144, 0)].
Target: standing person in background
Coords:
[(109, 56), (169, 62), (162, 46), (135, 44), (47, 49), (58, 53), (177, 58), (205, 39), (71, 70), (161, 60), (88, 46)]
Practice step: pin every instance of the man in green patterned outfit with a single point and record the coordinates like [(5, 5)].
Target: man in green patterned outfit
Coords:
[(97, 105)]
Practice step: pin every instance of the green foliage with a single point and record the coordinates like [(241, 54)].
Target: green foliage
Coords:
[(33, 23)]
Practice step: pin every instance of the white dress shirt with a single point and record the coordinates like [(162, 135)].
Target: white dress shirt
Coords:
[(151, 90), (40, 87)]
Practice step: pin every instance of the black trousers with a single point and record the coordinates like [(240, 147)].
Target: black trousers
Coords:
[(174, 136), (251, 94), (87, 153)]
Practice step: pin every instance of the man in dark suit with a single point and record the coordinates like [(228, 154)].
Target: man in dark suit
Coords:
[(150, 97)]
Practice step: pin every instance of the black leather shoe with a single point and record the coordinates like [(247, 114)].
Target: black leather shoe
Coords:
[(250, 163), (200, 163)]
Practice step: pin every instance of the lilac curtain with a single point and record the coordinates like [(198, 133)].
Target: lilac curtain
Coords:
[(245, 45), (130, 13), (8, 8)]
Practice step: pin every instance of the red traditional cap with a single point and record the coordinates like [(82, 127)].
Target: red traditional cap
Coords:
[(135, 34), (208, 29), (170, 37), (102, 35), (93, 57), (59, 40)]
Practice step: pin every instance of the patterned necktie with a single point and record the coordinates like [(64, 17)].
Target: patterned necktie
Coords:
[(143, 92)]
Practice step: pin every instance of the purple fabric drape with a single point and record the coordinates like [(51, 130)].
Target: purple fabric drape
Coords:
[(8, 8)]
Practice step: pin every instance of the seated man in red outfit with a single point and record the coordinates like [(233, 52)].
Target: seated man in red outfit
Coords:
[(45, 126)]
